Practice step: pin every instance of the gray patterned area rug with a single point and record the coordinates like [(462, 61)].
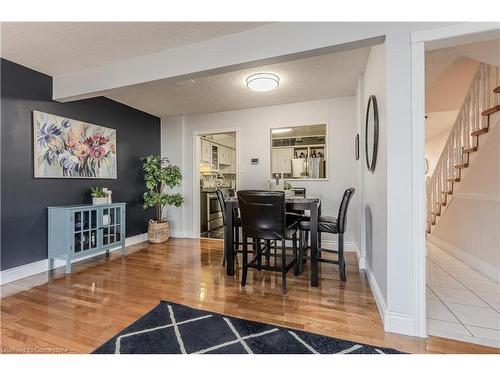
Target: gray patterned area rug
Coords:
[(176, 329)]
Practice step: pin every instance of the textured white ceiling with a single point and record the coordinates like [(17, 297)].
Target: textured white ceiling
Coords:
[(325, 76), (60, 47), (438, 60)]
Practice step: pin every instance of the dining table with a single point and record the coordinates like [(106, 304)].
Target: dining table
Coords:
[(294, 202)]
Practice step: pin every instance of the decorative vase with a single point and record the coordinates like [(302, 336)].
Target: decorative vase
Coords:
[(97, 201), (158, 232)]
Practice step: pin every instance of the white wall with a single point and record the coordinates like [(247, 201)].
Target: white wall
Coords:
[(434, 148), (374, 185), (255, 124), (172, 147), (471, 223)]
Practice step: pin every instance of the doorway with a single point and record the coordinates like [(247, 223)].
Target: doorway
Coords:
[(216, 166), (448, 302)]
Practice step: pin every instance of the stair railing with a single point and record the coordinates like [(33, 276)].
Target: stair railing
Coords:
[(479, 98)]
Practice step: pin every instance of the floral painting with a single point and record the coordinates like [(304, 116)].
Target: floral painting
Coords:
[(66, 148)]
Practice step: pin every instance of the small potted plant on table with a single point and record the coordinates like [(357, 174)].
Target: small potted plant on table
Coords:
[(99, 196), (159, 175)]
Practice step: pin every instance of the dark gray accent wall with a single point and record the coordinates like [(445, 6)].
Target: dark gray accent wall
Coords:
[(24, 199)]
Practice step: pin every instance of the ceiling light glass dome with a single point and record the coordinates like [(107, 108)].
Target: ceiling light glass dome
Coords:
[(263, 82)]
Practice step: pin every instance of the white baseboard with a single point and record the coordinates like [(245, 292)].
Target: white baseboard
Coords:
[(476, 263), (393, 321), (30, 269), (183, 234), (377, 294), (403, 324)]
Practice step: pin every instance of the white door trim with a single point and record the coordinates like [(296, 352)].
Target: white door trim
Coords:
[(418, 186), (453, 31), (196, 170), (418, 41)]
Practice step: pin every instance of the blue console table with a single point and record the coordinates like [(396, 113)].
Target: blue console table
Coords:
[(82, 230)]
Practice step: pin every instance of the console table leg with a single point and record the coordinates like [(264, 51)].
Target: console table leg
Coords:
[(51, 264)]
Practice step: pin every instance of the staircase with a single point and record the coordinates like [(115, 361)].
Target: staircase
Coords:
[(473, 121)]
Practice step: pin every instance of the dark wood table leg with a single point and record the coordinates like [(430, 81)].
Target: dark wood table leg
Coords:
[(228, 245), (314, 244)]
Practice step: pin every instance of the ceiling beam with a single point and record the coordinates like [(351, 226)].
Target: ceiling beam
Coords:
[(264, 45)]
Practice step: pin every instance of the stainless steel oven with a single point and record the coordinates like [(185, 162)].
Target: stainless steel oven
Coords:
[(214, 212)]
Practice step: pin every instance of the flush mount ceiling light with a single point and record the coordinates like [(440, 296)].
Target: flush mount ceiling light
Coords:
[(263, 82), (281, 130)]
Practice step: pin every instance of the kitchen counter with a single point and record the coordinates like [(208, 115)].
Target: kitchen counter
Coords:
[(208, 190)]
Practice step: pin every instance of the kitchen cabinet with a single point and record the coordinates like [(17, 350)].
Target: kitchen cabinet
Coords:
[(232, 157), (215, 158), (206, 151), (224, 157), (282, 160)]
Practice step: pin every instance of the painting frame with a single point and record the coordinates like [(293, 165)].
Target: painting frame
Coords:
[(66, 148)]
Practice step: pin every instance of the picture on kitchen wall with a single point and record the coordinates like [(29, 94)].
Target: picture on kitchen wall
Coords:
[(66, 148)]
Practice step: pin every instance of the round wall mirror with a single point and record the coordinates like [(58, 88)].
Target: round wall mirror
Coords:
[(371, 133)]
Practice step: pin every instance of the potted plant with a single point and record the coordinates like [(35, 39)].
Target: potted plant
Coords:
[(160, 175), (287, 187), (99, 196)]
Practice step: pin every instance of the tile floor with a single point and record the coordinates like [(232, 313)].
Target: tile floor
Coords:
[(462, 304)]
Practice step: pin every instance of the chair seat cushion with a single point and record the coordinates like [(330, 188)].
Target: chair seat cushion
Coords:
[(326, 224)]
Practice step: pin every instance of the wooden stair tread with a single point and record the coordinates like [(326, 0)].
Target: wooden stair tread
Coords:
[(464, 165), (496, 90), (449, 192), (455, 179), (479, 132), (491, 110), (470, 149), (442, 203)]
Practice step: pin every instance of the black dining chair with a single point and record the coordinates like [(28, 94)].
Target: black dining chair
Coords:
[(263, 217), (222, 193), (328, 224)]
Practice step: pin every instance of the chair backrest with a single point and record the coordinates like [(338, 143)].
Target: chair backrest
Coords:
[(342, 217), (262, 213), (222, 193)]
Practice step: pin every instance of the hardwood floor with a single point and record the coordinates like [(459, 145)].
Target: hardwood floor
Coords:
[(58, 313)]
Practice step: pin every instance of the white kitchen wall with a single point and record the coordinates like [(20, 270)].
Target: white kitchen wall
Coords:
[(254, 124)]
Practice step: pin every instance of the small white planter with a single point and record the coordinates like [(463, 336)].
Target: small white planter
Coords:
[(97, 201)]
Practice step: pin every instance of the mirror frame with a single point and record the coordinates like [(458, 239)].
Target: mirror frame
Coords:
[(372, 101)]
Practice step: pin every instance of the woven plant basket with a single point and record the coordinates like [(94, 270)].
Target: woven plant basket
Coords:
[(158, 232)]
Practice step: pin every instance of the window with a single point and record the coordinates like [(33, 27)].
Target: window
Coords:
[(299, 152)]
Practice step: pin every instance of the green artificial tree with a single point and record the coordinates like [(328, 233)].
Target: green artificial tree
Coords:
[(159, 175)]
